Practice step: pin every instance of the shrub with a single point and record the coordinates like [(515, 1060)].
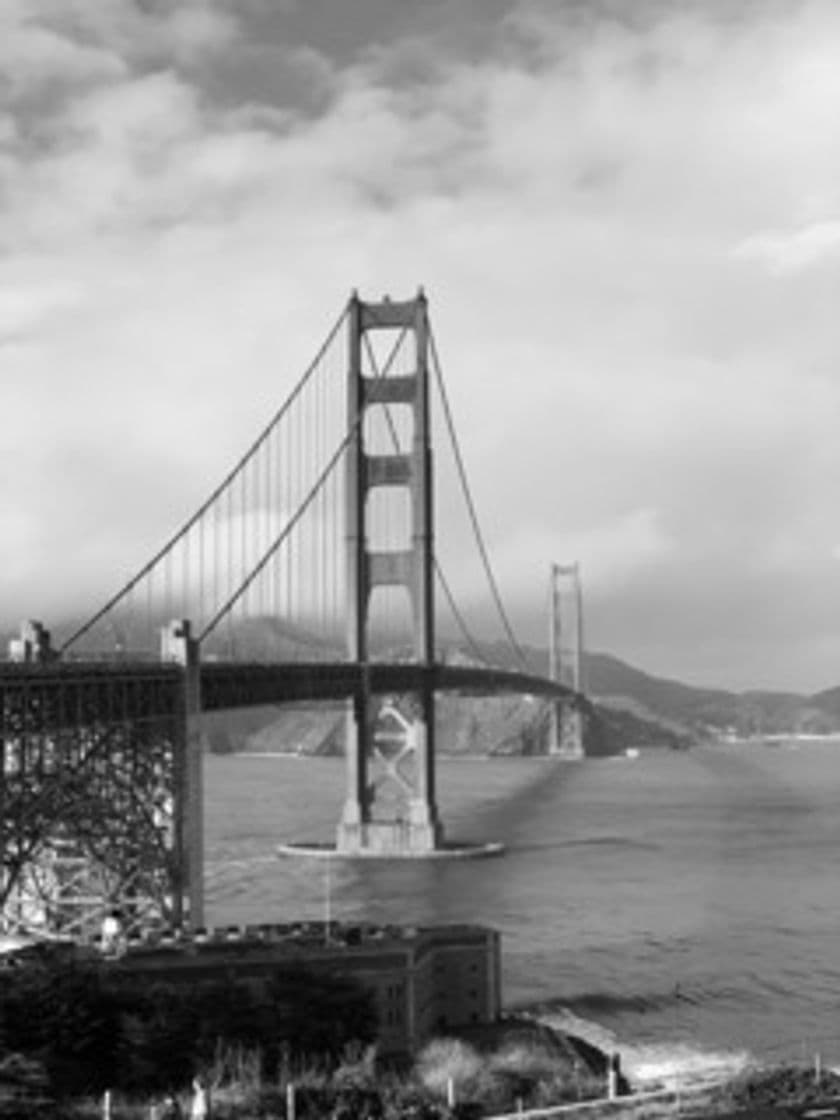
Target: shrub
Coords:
[(445, 1059), (785, 1085)]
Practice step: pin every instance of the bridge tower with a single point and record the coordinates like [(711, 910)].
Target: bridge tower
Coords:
[(565, 648), (414, 829)]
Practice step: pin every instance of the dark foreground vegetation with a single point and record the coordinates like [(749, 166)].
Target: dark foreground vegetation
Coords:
[(68, 1034), (784, 1085), (80, 1030), (354, 1088)]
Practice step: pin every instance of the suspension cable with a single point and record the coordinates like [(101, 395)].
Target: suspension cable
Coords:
[(465, 487), (459, 618), (202, 509)]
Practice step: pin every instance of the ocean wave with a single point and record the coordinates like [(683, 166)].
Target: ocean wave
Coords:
[(680, 1065), (666, 1065)]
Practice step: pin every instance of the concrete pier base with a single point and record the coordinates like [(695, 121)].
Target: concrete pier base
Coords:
[(389, 839), (568, 743), (453, 849)]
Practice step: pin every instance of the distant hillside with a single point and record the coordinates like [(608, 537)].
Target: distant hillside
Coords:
[(308, 729), (617, 725), (688, 709), (828, 702)]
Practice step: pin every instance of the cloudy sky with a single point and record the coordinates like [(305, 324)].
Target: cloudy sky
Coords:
[(626, 214)]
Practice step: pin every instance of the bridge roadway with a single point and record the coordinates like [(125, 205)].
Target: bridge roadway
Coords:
[(64, 693), (232, 686)]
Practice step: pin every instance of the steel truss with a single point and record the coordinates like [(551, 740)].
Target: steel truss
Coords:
[(92, 797)]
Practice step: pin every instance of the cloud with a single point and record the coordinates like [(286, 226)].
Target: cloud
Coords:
[(37, 56), (190, 192), (611, 553), (788, 252)]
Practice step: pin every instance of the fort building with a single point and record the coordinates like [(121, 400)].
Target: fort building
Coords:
[(424, 980)]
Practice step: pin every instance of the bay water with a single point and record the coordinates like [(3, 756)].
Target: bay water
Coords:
[(683, 907)]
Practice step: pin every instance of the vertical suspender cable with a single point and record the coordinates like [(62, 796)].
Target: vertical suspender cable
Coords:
[(165, 550)]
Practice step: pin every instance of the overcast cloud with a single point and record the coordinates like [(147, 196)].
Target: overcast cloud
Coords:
[(629, 231)]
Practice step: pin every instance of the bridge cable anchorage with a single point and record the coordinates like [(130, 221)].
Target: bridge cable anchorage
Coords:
[(447, 590), (162, 553), (465, 487)]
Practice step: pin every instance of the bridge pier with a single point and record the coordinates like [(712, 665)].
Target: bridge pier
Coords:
[(568, 732), (354, 815), (417, 829)]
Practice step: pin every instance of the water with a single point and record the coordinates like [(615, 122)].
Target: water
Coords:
[(685, 907)]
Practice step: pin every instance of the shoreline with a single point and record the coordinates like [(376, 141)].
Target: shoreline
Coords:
[(667, 1065)]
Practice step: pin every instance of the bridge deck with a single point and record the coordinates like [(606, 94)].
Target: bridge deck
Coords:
[(73, 691)]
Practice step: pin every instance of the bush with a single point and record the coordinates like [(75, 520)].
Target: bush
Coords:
[(23, 1085), (521, 1068), (445, 1059), (516, 1062), (785, 1085)]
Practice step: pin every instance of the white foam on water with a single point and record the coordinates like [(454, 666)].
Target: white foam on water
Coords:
[(656, 1065), (680, 1065)]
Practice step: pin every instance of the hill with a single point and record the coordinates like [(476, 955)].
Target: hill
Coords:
[(713, 712), (698, 711)]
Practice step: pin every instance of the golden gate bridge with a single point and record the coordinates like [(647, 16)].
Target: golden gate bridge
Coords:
[(309, 574)]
